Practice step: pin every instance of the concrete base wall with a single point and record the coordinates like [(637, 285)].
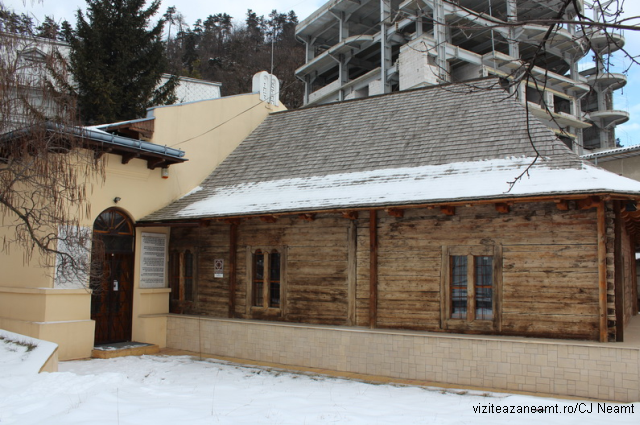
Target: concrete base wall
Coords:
[(61, 316), (604, 371)]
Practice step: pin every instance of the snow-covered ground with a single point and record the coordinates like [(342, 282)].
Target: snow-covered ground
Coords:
[(183, 390)]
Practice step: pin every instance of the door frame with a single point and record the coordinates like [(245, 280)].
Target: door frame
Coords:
[(116, 224)]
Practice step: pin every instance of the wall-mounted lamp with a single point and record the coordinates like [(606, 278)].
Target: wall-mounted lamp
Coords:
[(116, 199), (164, 172)]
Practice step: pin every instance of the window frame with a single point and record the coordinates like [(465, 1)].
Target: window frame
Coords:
[(470, 322), (267, 252), (178, 278)]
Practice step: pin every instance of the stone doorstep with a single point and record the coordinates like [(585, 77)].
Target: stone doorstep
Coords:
[(122, 349)]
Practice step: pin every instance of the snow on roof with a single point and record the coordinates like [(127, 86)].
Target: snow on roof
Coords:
[(440, 144), (403, 186)]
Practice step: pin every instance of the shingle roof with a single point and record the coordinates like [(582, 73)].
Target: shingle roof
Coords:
[(400, 148)]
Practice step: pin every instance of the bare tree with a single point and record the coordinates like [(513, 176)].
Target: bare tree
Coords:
[(46, 176)]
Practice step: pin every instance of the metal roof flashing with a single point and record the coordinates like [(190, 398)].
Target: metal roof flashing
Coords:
[(102, 142)]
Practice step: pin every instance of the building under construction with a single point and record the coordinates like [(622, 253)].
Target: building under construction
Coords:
[(359, 48)]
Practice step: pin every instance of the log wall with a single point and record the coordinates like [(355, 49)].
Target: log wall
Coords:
[(549, 263), (550, 278)]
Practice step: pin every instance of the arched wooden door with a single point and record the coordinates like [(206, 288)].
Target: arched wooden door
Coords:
[(112, 281)]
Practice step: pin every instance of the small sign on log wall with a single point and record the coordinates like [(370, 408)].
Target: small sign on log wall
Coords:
[(153, 260), (218, 268)]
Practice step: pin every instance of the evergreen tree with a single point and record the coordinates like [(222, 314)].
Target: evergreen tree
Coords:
[(117, 60), (217, 50), (49, 29)]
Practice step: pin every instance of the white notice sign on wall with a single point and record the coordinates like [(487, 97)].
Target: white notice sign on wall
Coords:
[(153, 260)]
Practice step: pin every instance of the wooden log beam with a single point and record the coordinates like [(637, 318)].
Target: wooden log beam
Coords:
[(233, 247), (170, 224), (448, 209), (395, 212), (503, 208), (352, 272), (268, 218), (307, 216), (634, 278), (351, 215), (373, 269), (619, 278), (587, 203), (602, 272), (562, 204)]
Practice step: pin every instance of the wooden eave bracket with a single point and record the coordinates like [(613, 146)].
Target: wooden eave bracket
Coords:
[(395, 212), (448, 209), (587, 203), (153, 163), (268, 218), (99, 153), (503, 207), (351, 215), (307, 216), (562, 204), (129, 156), (231, 221)]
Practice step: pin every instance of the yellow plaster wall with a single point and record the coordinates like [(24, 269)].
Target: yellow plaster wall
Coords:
[(207, 131), (14, 269), (207, 135), (57, 315)]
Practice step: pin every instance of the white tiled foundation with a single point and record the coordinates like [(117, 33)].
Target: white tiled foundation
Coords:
[(607, 371)]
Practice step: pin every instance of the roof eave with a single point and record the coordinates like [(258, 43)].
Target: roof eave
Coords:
[(596, 195)]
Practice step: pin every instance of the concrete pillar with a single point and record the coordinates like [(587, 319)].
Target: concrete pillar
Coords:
[(385, 47)]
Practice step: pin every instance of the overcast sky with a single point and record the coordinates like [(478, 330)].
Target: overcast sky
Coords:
[(627, 99), (191, 9)]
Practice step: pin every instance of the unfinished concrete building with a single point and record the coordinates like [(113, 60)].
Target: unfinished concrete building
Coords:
[(359, 48)]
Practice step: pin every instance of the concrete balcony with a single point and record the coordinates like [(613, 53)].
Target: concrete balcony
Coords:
[(561, 42), (608, 118), (606, 43), (559, 118), (509, 66), (607, 81), (329, 59), (330, 92)]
